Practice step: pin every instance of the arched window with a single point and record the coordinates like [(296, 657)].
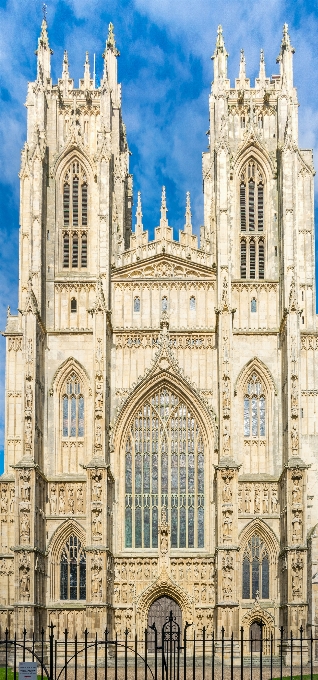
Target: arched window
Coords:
[(164, 304), (75, 215), (192, 303), (253, 305), (137, 304), (73, 305), (251, 201), (254, 409), (73, 408), (73, 571), (164, 468), (255, 570)]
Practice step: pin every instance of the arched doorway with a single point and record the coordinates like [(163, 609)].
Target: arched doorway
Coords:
[(255, 636), (158, 614)]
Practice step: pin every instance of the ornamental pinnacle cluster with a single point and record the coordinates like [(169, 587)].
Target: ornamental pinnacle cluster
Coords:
[(161, 396)]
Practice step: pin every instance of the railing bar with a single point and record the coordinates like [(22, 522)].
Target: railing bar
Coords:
[(116, 660), (106, 654), (185, 653), (65, 653), (232, 651), (281, 652), (261, 655), (301, 653), (146, 653), (95, 659), (242, 653), (222, 647), (6, 654), (42, 651), (193, 657), (75, 654), (271, 678), (85, 653), (203, 653), (126, 660), (24, 635), (136, 652), (213, 655), (251, 650), (291, 655), (15, 658), (311, 660), (55, 659)]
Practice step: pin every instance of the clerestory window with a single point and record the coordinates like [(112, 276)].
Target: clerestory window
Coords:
[(255, 570), (73, 409), (164, 468), (73, 571), (252, 222), (75, 217)]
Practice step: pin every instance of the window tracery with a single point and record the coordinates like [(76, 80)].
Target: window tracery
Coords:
[(73, 409), (75, 217), (255, 570), (254, 409), (73, 570), (164, 468), (251, 199)]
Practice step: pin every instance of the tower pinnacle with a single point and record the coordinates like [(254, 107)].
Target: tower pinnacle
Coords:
[(87, 75), (220, 56), (242, 73), (188, 214), (262, 74), (163, 207), (285, 59), (139, 226), (43, 54)]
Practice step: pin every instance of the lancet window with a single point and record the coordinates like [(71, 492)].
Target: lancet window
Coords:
[(255, 570), (254, 409), (73, 409), (164, 468), (252, 222), (73, 571), (75, 217)]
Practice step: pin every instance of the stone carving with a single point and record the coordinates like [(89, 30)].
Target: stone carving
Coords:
[(164, 531), (258, 498), (227, 526), (62, 501), (247, 499), (296, 488), (4, 500), (28, 398), (274, 501), (227, 576), (53, 500), (12, 500), (265, 499), (294, 397), (96, 524), (70, 498), (98, 436), (297, 575), (24, 526), (15, 344), (226, 396), (96, 571), (226, 437), (25, 487), (66, 499), (227, 477), (297, 526), (294, 438), (28, 434), (80, 498), (24, 575), (240, 499), (98, 395), (96, 486)]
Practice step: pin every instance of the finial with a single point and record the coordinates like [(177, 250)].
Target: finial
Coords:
[(220, 39), (188, 214), (87, 75), (262, 66), (44, 11), (220, 56), (163, 208), (139, 212), (44, 51), (110, 42), (242, 74), (65, 71)]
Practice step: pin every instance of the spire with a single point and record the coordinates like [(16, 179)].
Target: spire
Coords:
[(139, 225), (242, 73), (220, 56), (163, 208), (262, 74), (110, 61), (87, 75), (188, 214), (285, 59), (111, 43), (43, 54)]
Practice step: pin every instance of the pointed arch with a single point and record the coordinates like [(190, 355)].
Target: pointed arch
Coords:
[(62, 535), (259, 527), (257, 365), (69, 366), (164, 585), (71, 153), (252, 149)]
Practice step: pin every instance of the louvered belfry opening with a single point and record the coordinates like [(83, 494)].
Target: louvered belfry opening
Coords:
[(75, 218), (252, 222)]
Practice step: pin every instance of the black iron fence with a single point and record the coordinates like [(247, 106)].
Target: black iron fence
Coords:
[(166, 654)]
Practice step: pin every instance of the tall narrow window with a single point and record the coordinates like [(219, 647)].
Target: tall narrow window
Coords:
[(73, 408), (242, 207), (164, 473), (252, 259), (243, 259), (84, 251), (253, 305), (254, 409), (255, 570), (164, 304), (66, 251), (251, 206), (137, 304), (192, 303), (73, 571), (261, 271), (75, 214), (75, 251), (260, 207), (73, 305)]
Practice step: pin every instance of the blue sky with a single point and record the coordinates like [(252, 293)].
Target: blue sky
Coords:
[(165, 71)]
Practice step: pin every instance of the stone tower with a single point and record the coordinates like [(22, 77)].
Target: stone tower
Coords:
[(160, 439)]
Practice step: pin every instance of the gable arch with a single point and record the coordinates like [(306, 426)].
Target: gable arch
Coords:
[(69, 155), (57, 541), (257, 365), (252, 150), (69, 366), (259, 527), (163, 586)]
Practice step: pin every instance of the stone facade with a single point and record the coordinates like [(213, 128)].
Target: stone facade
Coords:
[(208, 347)]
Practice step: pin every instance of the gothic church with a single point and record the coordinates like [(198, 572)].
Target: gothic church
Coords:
[(161, 435)]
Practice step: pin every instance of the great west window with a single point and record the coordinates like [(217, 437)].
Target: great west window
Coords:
[(164, 467)]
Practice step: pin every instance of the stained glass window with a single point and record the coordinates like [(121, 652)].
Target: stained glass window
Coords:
[(254, 409), (255, 570), (73, 571), (164, 467), (73, 409)]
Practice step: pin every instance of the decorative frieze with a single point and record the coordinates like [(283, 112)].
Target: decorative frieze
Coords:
[(183, 341), (255, 498), (66, 498)]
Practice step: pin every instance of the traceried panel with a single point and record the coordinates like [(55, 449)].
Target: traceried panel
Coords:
[(164, 467), (73, 409), (255, 571), (73, 571), (254, 409)]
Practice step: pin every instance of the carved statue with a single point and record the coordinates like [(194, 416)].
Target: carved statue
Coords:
[(25, 487), (4, 501), (70, 499), (28, 433), (62, 501), (227, 576), (96, 524), (227, 491), (247, 499), (294, 438), (96, 487), (265, 499), (96, 578), (12, 500), (227, 524), (28, 396), (257, 498), (79, 498), (164, 531), (24, 527), (226, 437), (297, 526), (240, 500), (53, 500), (297, 576), (98, 435), (296, 491), (274, 500)]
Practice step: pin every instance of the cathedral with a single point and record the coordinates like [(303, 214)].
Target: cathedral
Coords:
[(161, 435)]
